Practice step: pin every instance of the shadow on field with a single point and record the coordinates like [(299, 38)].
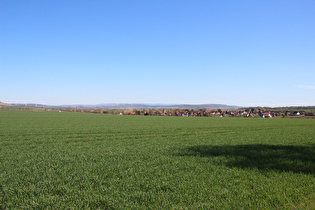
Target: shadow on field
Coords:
[(298, 159)]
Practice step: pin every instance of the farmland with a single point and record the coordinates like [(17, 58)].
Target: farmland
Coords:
[(79, 160)]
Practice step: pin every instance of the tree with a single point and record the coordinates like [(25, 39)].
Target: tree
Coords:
[(99, 111)]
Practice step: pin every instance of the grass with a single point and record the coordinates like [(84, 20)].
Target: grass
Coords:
[(74, 160)]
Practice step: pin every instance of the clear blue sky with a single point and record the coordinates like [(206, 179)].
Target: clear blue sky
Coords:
[(247, 53)]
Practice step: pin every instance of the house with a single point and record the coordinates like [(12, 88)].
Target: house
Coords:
[(296, 113), (266, 115), (218, 114)]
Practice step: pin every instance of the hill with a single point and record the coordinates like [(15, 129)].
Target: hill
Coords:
[(4, 104), (167, 106)]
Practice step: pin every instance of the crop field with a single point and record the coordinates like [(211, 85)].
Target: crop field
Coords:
[(76, 160)]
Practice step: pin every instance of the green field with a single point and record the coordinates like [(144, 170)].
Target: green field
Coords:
[(73, 160)]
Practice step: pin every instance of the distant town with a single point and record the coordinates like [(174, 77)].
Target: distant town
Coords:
[(206, 110)]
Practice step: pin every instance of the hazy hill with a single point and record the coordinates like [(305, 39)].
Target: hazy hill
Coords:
[(4, 104), (167, 106), (133, 106)]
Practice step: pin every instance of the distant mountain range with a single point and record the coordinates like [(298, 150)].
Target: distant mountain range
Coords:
[(31, 105), (150, 106), (168, 106), (136, 106), (157, 106)]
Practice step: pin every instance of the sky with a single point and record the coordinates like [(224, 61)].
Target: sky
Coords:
[(246, 53)]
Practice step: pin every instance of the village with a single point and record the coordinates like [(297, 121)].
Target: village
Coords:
[(248, 112), (263, 113)]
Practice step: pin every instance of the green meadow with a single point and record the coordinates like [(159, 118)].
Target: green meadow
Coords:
[(76, 160)]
